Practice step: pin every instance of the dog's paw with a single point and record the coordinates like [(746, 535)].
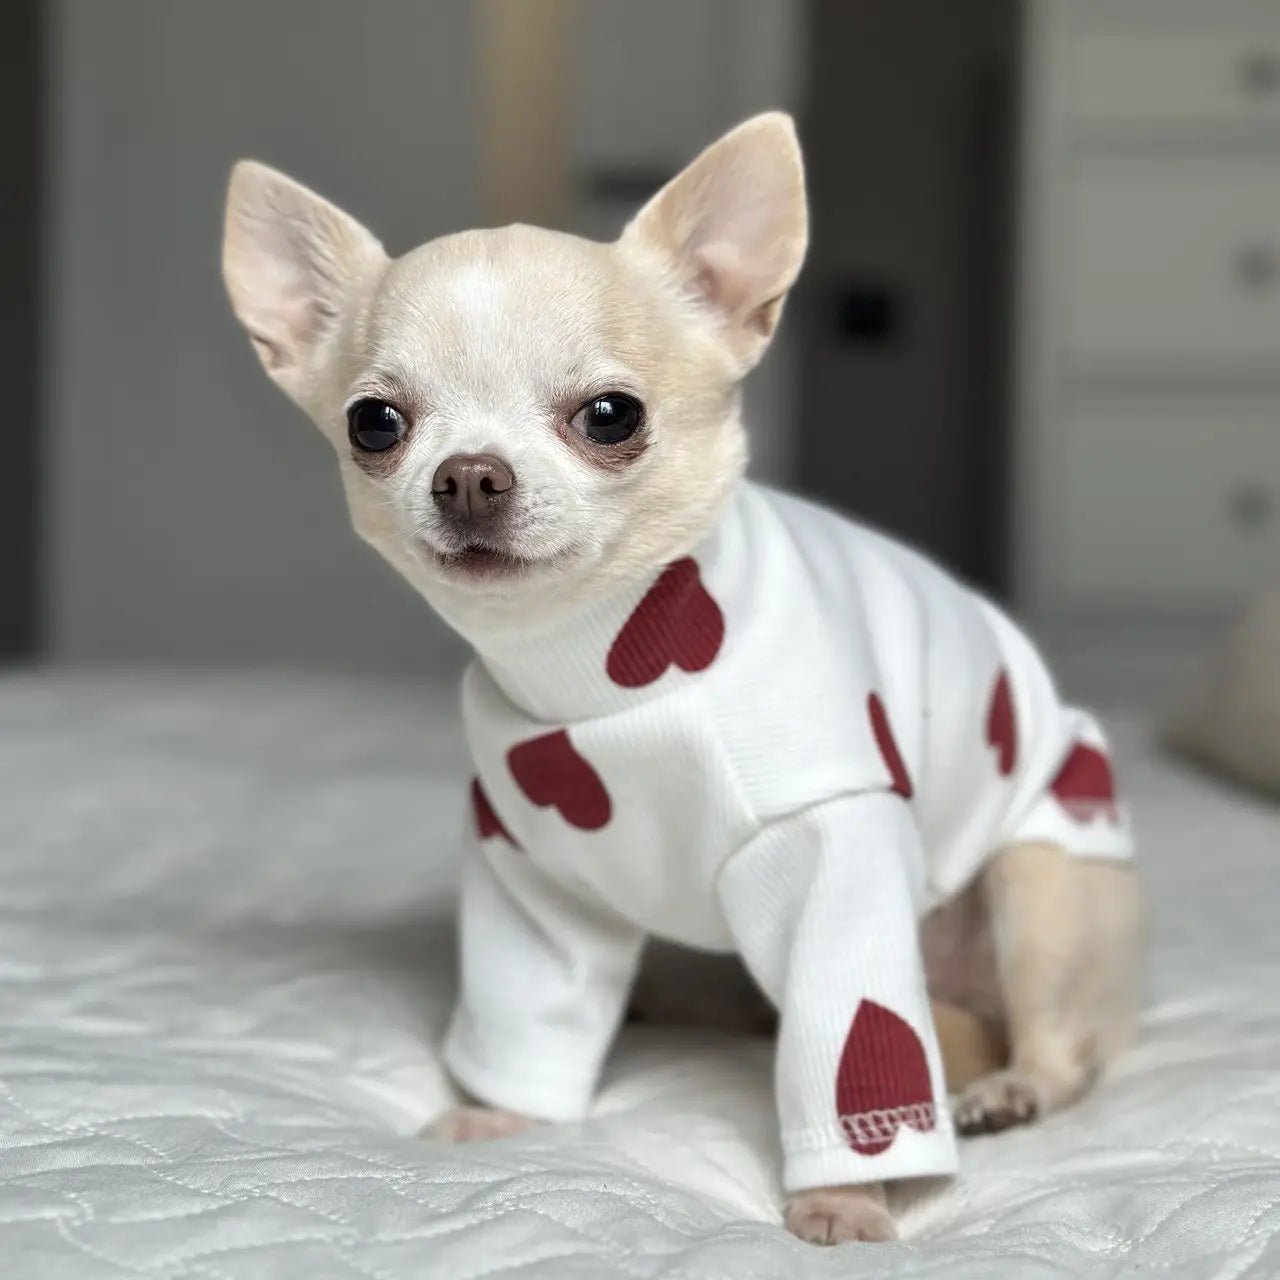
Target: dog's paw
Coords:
[(476, 1124), (833, 1215), (998, 1101)]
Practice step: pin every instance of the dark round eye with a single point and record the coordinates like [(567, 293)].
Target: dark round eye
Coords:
[(610, 419), (375, 426)]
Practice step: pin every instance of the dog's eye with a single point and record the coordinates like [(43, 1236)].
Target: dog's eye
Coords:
[(609, 419), (375, 426)]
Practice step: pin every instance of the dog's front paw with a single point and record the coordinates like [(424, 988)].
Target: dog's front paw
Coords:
[(998, 1101), (476, 1124), (832, 1215)]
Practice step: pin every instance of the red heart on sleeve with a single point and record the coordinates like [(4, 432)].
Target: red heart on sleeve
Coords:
[(882, 1081)]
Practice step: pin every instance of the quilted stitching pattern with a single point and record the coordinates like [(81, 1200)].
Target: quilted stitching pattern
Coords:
[(225, 957)]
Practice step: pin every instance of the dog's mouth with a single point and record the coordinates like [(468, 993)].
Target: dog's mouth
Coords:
[(479, 563)]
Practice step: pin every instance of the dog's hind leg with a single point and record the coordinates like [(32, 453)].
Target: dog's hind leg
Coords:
[(1068, 936)]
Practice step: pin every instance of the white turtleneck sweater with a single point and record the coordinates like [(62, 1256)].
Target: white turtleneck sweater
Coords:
[(791, 744)]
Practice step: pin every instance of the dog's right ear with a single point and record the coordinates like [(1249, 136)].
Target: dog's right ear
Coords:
[(291, 262)]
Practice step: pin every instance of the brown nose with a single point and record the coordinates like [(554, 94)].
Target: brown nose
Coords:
[(472, 486)]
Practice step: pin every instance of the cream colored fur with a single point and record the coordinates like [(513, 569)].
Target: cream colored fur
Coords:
[(485, 333)]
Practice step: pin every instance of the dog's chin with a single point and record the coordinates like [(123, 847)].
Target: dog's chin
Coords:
[(486, 569)]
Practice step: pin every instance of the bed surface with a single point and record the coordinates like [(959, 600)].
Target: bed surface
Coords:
[(226, 957)]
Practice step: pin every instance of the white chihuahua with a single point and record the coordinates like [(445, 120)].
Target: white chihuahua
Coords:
[(700, 710)]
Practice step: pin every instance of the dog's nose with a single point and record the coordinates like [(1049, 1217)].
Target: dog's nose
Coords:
[(472, 486)]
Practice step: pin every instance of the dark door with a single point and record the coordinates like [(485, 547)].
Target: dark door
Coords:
[(20, 317), (905, 300)]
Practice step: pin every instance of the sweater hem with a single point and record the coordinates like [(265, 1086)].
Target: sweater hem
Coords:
[(837, 1164), (560, 1099)]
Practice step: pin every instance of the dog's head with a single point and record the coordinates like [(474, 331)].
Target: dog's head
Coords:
[(525, 419)]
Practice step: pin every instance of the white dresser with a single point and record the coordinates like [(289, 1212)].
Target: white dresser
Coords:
[(1147, 441)]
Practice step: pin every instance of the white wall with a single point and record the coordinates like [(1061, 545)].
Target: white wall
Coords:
[(193, 514)]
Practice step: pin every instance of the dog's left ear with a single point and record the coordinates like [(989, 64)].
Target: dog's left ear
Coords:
[(733, 228)]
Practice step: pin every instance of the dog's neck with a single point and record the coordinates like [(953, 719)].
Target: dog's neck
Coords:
[(558, 669)]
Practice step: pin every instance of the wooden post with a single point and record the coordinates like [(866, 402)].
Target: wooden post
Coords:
[(526, 54)]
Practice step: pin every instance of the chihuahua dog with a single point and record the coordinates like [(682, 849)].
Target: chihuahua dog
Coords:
[(700, 710)]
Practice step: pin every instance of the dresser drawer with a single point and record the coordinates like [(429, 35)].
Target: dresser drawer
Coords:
[(1176, 77), (1166, 504), (1174, 260)]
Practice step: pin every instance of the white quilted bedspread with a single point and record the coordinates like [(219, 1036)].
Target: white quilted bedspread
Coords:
[(225, 961)]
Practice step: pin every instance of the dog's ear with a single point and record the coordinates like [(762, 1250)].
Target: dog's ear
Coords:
[(291, 261), (733, 227)]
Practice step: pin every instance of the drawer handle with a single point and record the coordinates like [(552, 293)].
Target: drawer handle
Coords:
[(1251, 506), (1257, 266), (1259, 73)]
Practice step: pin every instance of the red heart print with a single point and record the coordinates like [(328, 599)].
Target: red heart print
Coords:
[(1002, 728), (1085, 787), (677, 622), (550, 772), (888, 746), (882, 1081), (487, 821)]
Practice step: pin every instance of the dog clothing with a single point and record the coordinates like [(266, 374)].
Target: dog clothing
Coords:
[(792, 743)]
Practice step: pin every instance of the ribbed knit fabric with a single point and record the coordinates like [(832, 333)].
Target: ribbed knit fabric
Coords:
[(791, 743)]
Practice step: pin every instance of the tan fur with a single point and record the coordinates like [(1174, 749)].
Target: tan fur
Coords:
[(476, 1124), (839, 1215), (489, 342), (971, 1047), (1068, 938)]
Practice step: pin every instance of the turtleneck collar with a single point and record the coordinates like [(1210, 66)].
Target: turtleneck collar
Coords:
[(612, 653)]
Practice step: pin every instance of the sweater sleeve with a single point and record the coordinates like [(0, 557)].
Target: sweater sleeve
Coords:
[(544, 980), (820, 905)]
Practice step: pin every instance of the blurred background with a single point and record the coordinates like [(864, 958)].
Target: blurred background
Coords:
[(1037, 334)]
